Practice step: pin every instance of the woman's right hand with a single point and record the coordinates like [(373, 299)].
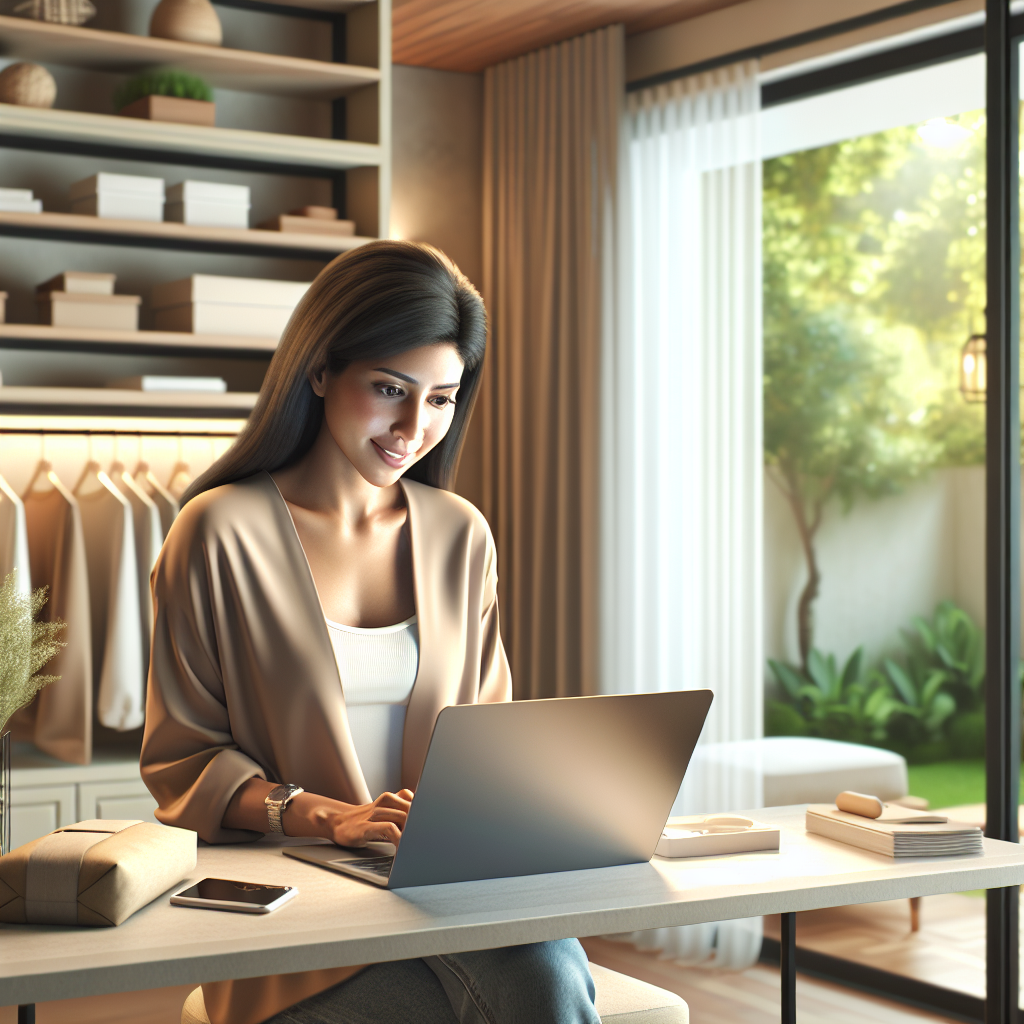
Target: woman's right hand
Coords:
[(308, 814), (358, 824)]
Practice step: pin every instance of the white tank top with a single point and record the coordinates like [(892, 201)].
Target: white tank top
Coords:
[(378, 669)]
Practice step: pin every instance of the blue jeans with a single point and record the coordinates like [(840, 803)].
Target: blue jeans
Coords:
[(539, 983)]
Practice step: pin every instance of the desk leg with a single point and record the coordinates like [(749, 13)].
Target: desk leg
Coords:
[(27, 1014), (787, 968)]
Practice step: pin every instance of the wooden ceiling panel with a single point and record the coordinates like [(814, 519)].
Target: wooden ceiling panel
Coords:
[(470, 35)]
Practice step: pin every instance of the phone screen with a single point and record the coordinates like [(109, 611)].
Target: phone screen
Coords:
[(226, 891)]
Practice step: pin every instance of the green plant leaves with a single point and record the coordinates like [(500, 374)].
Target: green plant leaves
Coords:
[(925, 702)]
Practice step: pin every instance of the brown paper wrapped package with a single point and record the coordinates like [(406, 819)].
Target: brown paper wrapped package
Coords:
[(93, 873)]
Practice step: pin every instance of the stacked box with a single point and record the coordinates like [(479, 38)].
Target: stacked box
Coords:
[(19, 200), (78, 299), (208, 204), (207, 304), (317, 220), (119, 196)]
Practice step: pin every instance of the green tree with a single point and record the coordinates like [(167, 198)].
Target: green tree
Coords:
[(837, 423)]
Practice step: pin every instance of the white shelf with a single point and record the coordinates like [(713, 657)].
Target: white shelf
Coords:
[(224, 68), (117, 401), (157, 342), (174, 235), (231, 144)]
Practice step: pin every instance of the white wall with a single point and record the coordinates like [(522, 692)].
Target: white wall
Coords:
[(882, 563)]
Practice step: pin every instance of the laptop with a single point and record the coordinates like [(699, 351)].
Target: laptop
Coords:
[(534, 786)]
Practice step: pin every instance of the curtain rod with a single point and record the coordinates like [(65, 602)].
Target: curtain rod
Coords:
[(789, 42)]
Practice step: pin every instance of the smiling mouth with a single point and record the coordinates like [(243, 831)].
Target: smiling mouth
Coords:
[(396, 456)]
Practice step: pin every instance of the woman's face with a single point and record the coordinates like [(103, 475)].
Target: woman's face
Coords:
[(385, 414)]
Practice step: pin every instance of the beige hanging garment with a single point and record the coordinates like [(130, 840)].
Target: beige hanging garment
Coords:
[(148, 539), (181, 477), (14, 539), (59, 720), (166, 503), (114, 595)]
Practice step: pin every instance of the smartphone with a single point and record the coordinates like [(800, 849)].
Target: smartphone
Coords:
[(241, 897)]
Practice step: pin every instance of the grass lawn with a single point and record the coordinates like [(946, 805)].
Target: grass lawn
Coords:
[(950, 783)]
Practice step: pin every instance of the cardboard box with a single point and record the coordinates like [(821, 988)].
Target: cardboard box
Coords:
[(212, 288), (79, 282), (224, 318), (317, 212), (172, 108), (106, 312), (309, 225)]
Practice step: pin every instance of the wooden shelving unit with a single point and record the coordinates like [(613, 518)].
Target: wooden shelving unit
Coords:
[(224, 68), (183, 143), (73, 227), (352, 92), (119, 401), (91, 339)]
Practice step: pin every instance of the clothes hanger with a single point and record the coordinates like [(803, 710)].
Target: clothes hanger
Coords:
[(43, 470), (181, 474), (93, 477)]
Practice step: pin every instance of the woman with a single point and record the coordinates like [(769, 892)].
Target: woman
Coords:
[(320, 598)]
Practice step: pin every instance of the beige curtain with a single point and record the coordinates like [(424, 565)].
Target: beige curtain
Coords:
[(551, 131)]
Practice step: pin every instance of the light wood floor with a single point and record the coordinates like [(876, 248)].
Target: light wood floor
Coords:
[(949, 949), (155, 1006), (751, 996)]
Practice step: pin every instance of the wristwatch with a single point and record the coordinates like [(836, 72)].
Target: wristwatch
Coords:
[(277, 800)]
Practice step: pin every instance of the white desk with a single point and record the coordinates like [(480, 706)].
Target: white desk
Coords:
[(337, 920)]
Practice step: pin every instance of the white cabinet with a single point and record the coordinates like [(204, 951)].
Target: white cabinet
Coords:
[(115, 800), (37, 810), (48, 794)]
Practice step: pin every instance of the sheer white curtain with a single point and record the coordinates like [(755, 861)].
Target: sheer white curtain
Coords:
[(682, 445)]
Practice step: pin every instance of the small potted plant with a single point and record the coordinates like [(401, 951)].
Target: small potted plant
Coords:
[(167, 96), (26, 645)]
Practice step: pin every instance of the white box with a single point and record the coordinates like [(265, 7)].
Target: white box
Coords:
[(120, 206), (224, 318), (209, 192), (11, 206), (148, 382), (123, 184), (203, 214), (244, 291), (16, 195), (119, 196)]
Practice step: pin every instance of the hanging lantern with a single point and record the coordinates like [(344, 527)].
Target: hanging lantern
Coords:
[(974, 369)]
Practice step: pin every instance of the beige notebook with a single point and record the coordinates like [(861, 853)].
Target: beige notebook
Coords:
[(899, 832)]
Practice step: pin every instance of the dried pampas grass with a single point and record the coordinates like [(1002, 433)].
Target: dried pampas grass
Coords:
[(25, 646)]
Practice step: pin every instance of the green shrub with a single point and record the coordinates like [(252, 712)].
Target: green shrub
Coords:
[(926, 703), (162, 83), (832, 703)]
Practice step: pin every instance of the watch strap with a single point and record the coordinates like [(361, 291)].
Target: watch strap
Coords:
[(277, 801)]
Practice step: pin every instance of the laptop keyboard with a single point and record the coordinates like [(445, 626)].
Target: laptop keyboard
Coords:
[(376, 865)]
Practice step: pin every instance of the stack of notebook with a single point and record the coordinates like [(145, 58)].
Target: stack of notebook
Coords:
[(897, 832)]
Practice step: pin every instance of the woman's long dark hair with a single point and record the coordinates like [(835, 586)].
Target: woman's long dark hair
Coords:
[(378, 300)]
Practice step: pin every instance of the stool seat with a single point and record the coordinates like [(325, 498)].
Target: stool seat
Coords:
[(620, 1000)]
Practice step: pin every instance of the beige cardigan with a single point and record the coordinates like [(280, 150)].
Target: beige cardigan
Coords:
[(243, 680)]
